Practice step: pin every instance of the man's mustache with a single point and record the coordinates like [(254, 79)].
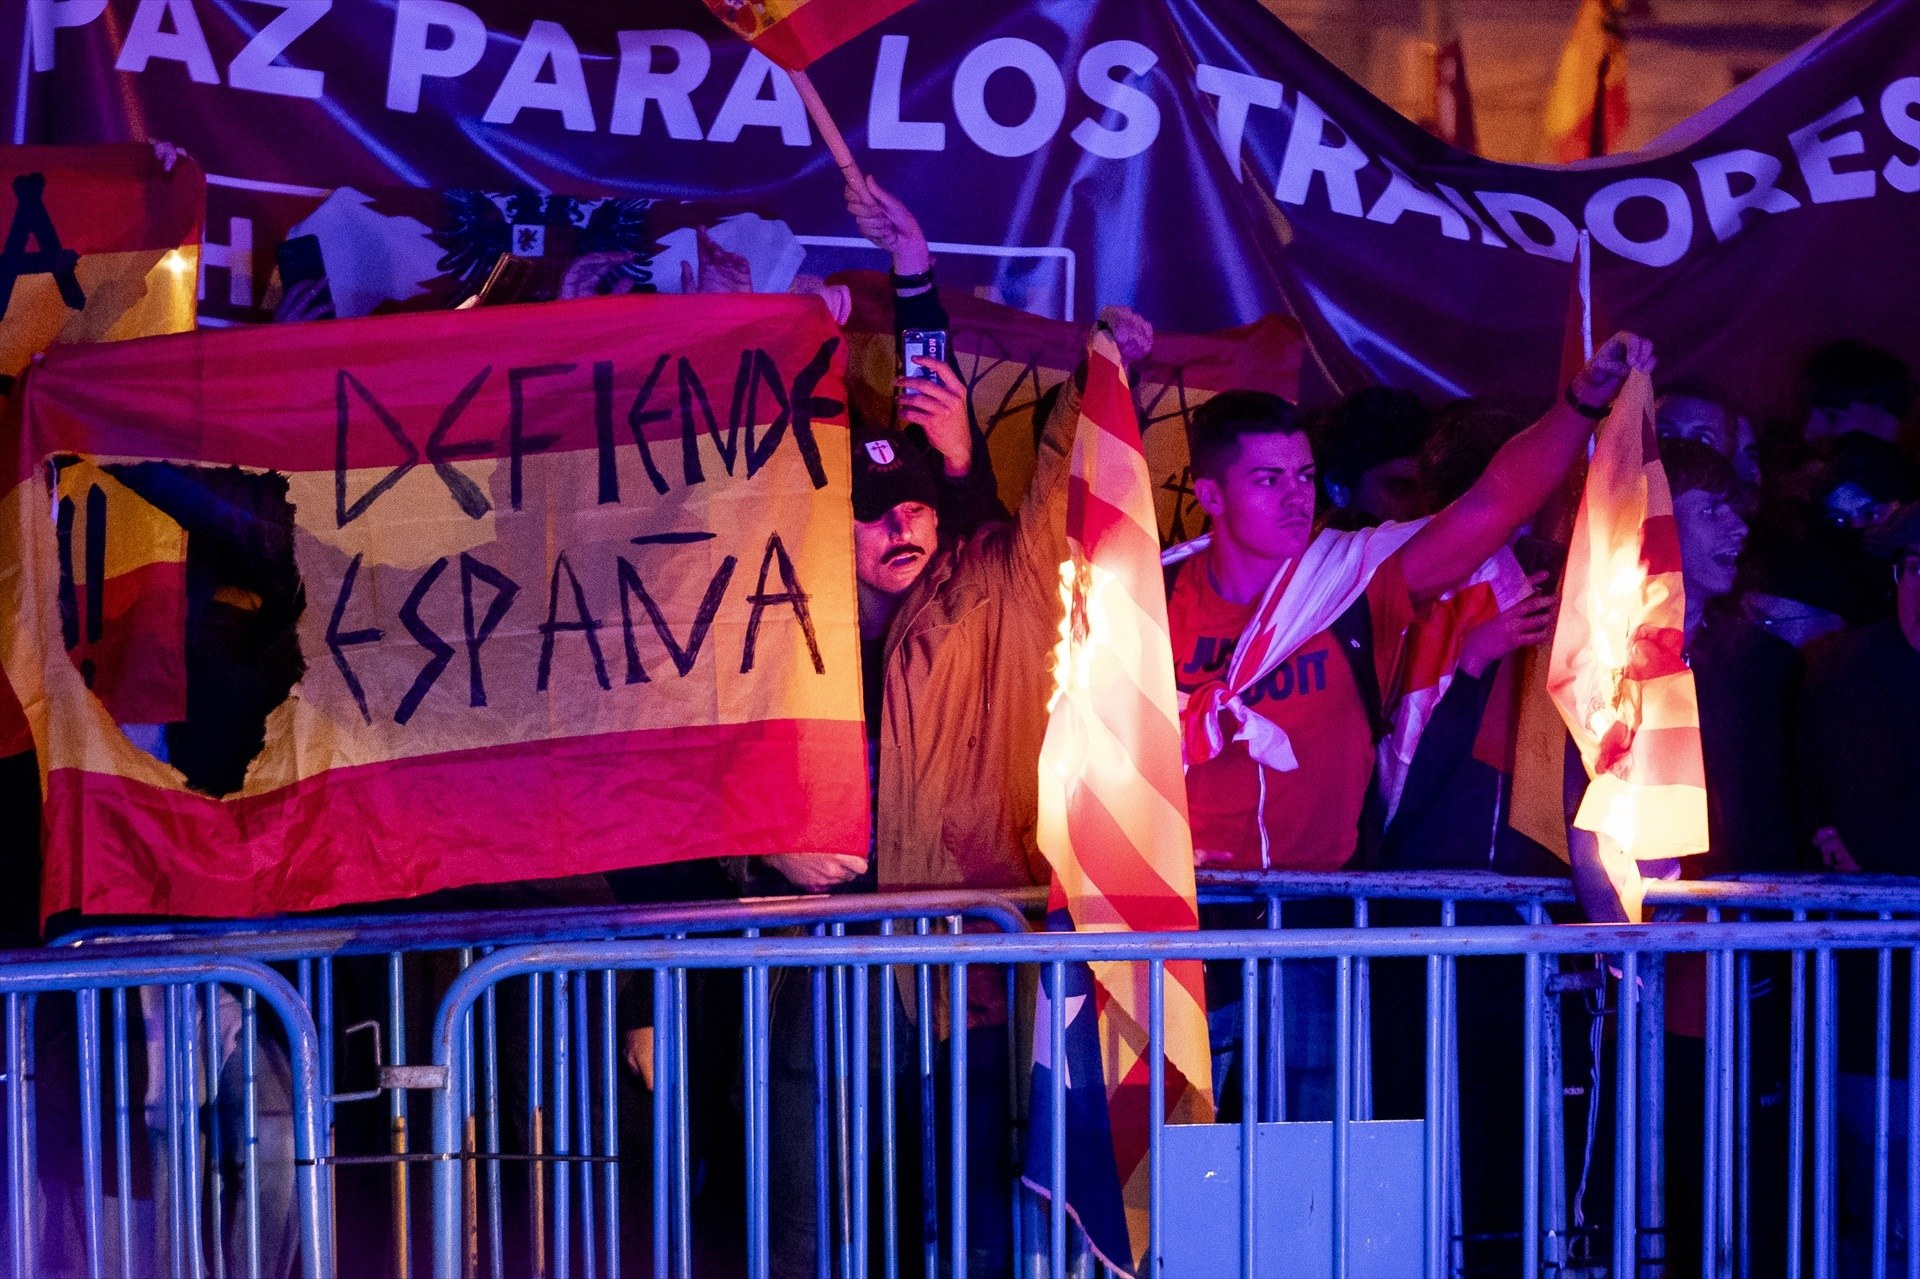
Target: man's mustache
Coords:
[(899, 550)]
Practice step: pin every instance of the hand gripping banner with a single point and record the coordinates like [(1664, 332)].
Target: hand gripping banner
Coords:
[(472, 597)]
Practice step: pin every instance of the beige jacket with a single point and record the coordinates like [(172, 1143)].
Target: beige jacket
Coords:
[(968, 674)]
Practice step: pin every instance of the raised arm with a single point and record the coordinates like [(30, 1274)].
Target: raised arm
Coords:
[(1522, 475)]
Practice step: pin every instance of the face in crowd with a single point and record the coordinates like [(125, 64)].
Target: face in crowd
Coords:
[(1254, 474), (1261, 494), (1709, 526), (891, 552)]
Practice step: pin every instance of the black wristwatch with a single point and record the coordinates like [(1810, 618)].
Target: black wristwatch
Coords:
[(1584, 409), (919, 280)]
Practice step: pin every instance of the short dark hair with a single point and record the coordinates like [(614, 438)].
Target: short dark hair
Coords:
[(1849, 372), (1693, 467), (1216, 427)]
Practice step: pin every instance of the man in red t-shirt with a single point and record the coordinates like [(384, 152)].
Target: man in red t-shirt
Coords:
[(1254, 475)]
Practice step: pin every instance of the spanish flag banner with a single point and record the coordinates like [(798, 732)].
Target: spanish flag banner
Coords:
[(1587, 105), (101, 244), (794, 33), (571, 588)]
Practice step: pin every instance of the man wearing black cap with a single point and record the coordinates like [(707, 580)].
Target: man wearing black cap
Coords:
[(957, 625)]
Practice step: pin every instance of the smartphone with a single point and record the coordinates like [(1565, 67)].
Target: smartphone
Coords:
[(930, 344), (300, 260)]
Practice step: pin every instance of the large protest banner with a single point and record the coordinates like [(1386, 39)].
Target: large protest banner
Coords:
[(578, 594), (1192, 158)]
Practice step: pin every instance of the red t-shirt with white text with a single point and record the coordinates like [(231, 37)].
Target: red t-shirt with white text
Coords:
[(1250, 818)]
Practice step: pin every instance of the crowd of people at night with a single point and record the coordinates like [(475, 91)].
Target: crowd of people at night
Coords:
[(1799, 542)]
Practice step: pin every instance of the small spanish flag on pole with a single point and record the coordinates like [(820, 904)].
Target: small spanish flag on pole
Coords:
[(1587, 106), (794, 33)]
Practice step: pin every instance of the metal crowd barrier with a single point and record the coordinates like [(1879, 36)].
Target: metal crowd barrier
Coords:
[(514, 1122), (70, 1106), (1809, 1232)]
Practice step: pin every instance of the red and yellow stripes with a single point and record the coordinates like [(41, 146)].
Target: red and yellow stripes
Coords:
[(1113, 809), (1618, 671), (123, 574), (1587, 106), (109, 247), (796, 32)]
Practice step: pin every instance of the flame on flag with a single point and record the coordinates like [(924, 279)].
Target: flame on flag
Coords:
[(1113, 809), (1618, 672)]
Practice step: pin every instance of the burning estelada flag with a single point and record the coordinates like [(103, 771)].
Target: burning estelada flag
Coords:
[(794, 33), (1619, 671), (1587, 106), (1113, 826)]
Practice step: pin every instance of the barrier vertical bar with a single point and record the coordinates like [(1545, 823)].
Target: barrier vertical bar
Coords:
[(844, 1173), (1714, 1048), (1249, 1134), (1156, 1114), (122, 1133), (1275, 1109), (1057, 1133), (822, 1187), (250, 1160), (1435, 1152), (861, 1065), (929, 1157), (329, 1132), (610, 1065), (1825, 1202), (662, 1075), (1882, 1103), (957, 1070), (537, 1124), (1626, 1033), (490, 1050), (190, 1124), (562, 1070), (1531, 1102), (470, 1131), (1342, 1109), (1555, 1118), (1651, 1237), (216, 1161), (760, 1048), (1797, 1112), (682, 1132), (1913, 1114), (1363, 1023), (583, 1126), (889, 1116), (1742, 1243), (397, 1118), (86, 1014), (1450, 1067)]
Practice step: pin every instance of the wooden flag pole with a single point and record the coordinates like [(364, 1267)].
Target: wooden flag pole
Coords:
[(829, 131)]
